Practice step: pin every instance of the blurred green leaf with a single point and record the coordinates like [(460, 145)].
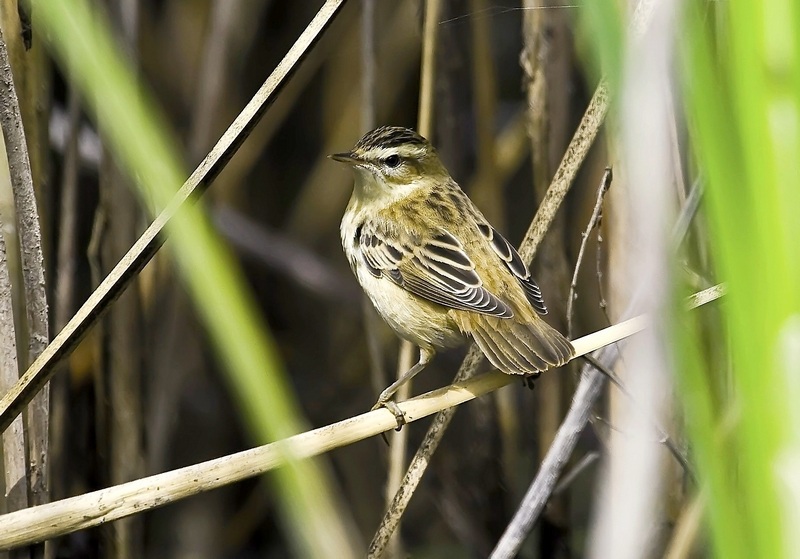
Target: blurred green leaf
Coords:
[(741, 86), (602, 22)]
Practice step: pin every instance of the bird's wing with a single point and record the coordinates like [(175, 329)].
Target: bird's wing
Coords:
[(509, 255), (436, 269)]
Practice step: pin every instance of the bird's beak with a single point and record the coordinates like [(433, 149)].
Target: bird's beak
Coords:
[(346, 157)]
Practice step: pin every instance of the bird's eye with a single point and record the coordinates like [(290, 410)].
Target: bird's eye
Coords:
[(392, 161)]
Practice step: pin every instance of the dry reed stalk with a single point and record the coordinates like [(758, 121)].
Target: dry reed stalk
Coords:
[(26, 473), (99, 507)]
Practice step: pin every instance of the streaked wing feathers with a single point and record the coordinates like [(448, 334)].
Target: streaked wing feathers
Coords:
[(509, 255), (438, 270)]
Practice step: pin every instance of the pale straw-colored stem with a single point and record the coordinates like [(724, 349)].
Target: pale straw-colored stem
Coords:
[(106, 505)]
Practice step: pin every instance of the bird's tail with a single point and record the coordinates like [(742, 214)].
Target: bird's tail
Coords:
[(520, 348)]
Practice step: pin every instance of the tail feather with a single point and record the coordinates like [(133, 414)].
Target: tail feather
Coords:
[(528, 345), (518, 348), (493, 353), (512, 342)]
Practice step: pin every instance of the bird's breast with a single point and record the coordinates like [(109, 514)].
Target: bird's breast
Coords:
[(413, 318)]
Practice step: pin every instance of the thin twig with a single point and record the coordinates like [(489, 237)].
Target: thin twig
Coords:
[(140, 253), (544, 53), (15, 465), (32, 264), (106, 505), (601, 297), (66, 259), (594, 221), (541, 489), (419, 463), (372, 322), (368, 120), (589, 389)]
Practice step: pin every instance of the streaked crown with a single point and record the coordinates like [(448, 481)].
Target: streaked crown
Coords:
[(390, 137)]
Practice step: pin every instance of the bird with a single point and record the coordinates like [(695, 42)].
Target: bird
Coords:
[(433, 267)]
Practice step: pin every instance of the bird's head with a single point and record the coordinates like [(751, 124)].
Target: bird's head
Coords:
[(392, 162)]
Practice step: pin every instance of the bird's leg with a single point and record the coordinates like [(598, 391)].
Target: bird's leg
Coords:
[(425, 356)]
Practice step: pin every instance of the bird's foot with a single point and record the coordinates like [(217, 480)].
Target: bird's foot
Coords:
[(390, 405), (529, 380)]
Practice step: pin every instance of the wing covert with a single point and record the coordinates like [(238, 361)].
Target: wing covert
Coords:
[(509, 255), (437, 270)]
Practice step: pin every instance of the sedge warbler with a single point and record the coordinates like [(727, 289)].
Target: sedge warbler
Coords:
[(435, 269)]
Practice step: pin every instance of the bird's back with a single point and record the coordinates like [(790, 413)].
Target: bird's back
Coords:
[(522, 343)]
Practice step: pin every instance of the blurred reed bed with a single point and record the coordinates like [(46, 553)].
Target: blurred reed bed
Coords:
[(147, 390)]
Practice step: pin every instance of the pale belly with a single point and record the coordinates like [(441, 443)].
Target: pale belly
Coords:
[(418, 321), (423, 323)]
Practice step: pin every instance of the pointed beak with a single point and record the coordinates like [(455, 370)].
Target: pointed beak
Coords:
[(346, 157)]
